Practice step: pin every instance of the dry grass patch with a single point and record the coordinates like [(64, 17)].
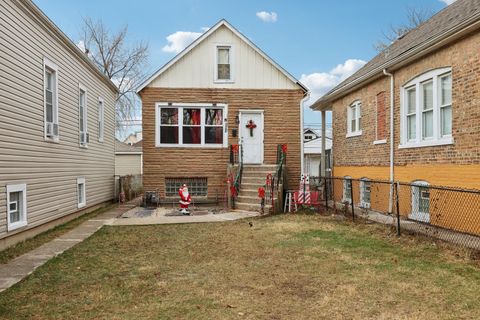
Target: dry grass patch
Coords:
[(284, 267)]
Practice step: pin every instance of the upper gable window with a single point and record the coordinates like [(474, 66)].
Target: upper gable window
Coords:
[(426, 109), (223, 64)]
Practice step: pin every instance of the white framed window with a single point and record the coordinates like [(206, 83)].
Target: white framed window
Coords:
[(101, 122), (191, 125), (50, 85), (420, 201), (347, 189), (354, 119), (223, 63), (365, 192), (426, 110), (81, 193), (16, 206), (83, 116)]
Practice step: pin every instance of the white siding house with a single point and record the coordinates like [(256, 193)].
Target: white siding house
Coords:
[(56, 125)]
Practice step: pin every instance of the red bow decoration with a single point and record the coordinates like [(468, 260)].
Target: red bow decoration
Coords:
[(251, 125), (284, 148), (261, 193), (235, 147)]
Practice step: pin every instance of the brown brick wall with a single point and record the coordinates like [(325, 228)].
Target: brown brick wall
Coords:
[(464, 59), (281, 122)]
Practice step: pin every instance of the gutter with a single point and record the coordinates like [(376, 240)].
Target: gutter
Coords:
[(392, 136), (302, 152)]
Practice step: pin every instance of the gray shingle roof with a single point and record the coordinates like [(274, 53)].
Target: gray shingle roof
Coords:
[(460, 14), (123, 147)]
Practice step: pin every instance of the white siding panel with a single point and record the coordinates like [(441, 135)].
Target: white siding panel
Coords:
[(128, 164), (196, 68), (50, 170)]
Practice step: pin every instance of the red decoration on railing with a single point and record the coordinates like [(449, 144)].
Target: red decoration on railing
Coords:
[(261, 193), (235, 148), (268, 182), (284, 148), (251, 125)]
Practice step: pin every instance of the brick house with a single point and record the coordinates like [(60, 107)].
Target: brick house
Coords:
[(202, 101), (412, 113)]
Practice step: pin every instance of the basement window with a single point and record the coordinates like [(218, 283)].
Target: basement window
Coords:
[(197, 187), (81, 194), (16, 206)]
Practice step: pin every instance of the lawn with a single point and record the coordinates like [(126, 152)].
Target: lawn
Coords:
[(282, 267)]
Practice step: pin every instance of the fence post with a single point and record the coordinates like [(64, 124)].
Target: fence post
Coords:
[(398, 208), (326, 193), (351, 199)]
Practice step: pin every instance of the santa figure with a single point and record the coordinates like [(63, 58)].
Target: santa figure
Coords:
[(185, 199)]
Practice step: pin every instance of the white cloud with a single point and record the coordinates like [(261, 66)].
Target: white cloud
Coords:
[(448, 2), (180, 40), (267, 16), (320, 83)]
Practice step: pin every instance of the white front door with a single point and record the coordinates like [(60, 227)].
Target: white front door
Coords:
[(251, 136)]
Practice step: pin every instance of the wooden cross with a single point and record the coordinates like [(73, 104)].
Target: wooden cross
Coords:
[(251, 125)]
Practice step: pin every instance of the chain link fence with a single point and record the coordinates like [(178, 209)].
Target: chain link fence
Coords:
[(446, 213)]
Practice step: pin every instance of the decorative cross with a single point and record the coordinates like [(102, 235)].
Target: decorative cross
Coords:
[(251, 125)]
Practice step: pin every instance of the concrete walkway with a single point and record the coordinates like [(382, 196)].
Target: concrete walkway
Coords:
[(162, 219), (20, 267)]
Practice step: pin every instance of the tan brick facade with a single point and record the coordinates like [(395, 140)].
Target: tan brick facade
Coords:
[(464, 59), (281, 125)]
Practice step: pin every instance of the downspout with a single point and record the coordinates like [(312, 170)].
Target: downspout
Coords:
[(392, 125), (302, 103)]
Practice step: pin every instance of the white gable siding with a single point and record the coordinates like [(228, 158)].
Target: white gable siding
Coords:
[(196, 68)]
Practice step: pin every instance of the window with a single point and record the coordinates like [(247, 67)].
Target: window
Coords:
[(354, 119), (380, 119), (196, 186), (51, 100), (223, 64), (191, 125), (81, 194), (347, 189), (420, 201), (426, 104), (101, 128), (83, 131), (16, 206), (365, 193)]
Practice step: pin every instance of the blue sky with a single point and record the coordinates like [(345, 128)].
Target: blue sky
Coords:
[(319, 42)]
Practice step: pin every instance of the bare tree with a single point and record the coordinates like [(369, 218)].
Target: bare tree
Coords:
[(121, 62), (415, 17)]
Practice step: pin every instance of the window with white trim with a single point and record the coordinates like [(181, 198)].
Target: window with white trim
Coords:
[(365, 192), (191, 125), (83, 114), (51, 100), (347, 189), (81, 193), (420, 201), (16, 206), (101, 122), (426, 109), (223, 63), (354, 116)]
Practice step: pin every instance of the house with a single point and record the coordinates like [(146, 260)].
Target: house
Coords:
[(312, 150), (222, 90), (57, 126), (411, 114), (310, 134), (133, 138), (128, 158)]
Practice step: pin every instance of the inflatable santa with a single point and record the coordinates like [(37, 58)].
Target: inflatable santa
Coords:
[(185, 199)]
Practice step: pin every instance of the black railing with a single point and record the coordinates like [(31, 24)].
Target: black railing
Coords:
[(447, 213), (273, 181), (236, 158)]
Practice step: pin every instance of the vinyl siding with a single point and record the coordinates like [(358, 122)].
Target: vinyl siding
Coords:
[(50, 170), (250, 69)]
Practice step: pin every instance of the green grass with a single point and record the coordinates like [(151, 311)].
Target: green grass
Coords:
[(44, 237), (284, 267)]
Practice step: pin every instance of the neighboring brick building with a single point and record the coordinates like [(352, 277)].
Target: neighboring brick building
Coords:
[(200, 103), (435, 70)]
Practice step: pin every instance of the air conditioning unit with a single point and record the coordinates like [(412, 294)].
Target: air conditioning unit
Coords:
[(51, 130), (84, 138)]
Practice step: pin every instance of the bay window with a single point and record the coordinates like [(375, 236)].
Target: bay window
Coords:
[(426, 110), (191, 125)]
